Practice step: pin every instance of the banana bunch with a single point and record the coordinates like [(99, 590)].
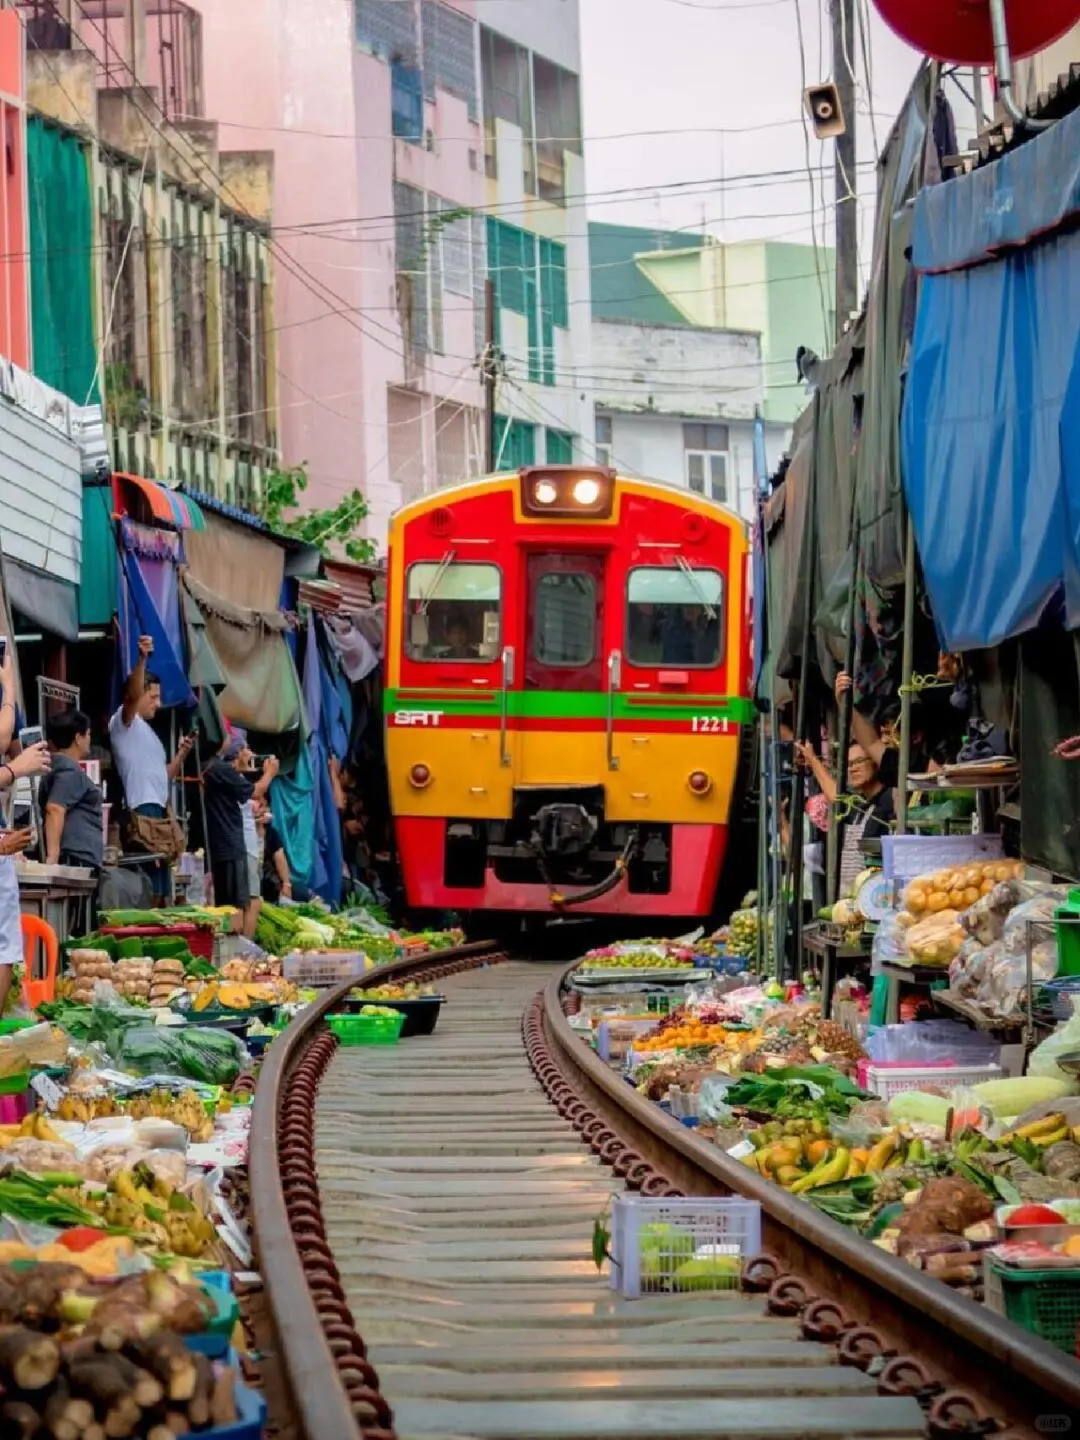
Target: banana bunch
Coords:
[(1050, 1130), (32, 1127), (83, 1108), (157, 1211), (185, 1109)]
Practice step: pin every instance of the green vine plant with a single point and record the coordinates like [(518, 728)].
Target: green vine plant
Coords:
[(430, 233), (336, 530), (124, 396)]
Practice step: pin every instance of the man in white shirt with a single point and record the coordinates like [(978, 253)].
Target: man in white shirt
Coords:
[(139, 755)]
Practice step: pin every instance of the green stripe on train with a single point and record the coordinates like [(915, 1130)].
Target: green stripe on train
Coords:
[(573, 705)]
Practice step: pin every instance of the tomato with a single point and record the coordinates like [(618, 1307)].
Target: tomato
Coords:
[(82, 1237), (1034, 1215)]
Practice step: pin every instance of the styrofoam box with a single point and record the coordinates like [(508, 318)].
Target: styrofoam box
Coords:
[(903, 857), (724, 1228)]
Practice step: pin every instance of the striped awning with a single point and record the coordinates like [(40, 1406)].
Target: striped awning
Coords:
[(147, 501)]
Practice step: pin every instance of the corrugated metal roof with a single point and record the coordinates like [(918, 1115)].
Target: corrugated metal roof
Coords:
[(1061, 99), (355, 582)]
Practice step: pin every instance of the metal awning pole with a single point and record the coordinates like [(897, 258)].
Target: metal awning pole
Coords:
[(907, 668)]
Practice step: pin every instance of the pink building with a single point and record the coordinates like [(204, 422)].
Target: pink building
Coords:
[(400, 129)]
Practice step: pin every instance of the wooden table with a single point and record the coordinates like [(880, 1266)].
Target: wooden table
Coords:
[(832, 952)]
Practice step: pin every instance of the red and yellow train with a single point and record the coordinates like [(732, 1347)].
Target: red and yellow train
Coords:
[(568, 683)]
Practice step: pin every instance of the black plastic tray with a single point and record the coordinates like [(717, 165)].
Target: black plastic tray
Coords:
[(421, 1014)]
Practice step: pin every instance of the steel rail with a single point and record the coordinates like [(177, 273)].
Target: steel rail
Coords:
[(314, 1378), (888, 1310)]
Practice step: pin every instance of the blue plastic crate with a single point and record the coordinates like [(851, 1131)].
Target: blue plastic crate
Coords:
[(251, 1424), (216, 1339)]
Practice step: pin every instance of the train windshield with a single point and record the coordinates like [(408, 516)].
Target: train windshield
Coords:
[(453, 611), (673, 616)]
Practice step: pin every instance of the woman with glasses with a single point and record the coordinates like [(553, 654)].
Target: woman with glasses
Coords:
[(874, 808)]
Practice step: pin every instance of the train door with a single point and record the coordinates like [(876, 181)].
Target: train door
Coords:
[(563, 669)]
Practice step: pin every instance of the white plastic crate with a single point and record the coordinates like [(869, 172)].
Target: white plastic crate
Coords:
[(653, 1242), (885, 1081)]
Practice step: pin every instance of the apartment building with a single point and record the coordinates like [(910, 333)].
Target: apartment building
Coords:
[(421, 149)]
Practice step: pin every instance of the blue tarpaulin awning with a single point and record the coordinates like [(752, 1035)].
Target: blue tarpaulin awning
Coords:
[(991, 429)]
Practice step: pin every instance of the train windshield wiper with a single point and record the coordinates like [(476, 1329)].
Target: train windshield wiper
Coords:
[(688, 571), (436, 580)]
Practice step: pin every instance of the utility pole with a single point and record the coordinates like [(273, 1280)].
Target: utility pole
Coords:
[(490, 372), (847, 211)]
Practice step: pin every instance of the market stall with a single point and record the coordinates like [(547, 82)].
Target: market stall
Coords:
[(124, 1117), (928, 1136)]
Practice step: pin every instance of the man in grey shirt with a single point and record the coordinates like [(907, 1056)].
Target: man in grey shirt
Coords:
[(70, 800)]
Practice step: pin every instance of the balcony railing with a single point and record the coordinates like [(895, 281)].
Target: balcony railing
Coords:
[(168, 55)]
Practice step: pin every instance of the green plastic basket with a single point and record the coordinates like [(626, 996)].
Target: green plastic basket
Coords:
[(1042, 1302), (366, 1029)]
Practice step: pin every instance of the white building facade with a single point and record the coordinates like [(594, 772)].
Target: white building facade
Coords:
[(678, 404)]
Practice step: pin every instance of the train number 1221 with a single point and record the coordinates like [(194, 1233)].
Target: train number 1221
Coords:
[(706, 725)]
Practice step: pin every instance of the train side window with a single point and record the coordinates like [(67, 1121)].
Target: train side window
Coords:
[(564, 623), (674, 617), (453, 612)]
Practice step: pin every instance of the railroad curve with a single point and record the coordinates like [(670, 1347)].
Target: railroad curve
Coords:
[(438, 1280)]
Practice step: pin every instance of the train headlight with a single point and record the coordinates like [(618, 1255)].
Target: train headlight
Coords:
[(419, 777), (700, 782), (567, 492)]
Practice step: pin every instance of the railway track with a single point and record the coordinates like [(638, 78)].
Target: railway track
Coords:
[(437, 1281)]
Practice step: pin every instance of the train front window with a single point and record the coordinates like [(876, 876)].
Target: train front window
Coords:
[(452, 612), (673, 617), (564, 626)]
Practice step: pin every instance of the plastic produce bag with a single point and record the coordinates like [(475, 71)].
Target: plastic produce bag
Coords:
[(147, 1050), (1064, 1041), (889, 944), (1003, 988), (985, 920), (934, 941), (1041, 908), (215, 1057), (39, 1045), (712, 1107)]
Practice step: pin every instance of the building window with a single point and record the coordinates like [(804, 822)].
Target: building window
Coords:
[(506, 94), (419, 265), (529, 277), (450, 54), (515, 443), (557, 101), (407, 102), (603, 440), (706, 449), (558, 447), (388, 29)]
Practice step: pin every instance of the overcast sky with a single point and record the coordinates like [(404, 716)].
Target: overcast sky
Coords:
[(727, 73)]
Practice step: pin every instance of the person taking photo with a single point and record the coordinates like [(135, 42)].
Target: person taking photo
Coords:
[(145, 772)]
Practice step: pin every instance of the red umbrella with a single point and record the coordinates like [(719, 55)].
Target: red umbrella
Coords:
[(959, 30)]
